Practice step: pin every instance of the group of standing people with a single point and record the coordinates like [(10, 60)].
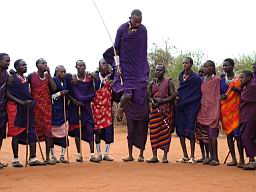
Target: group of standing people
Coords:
[(45, 108)]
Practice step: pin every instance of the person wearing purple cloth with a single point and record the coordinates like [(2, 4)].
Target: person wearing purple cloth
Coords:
[(4, 64), (254, 72), (81, 93), (131, 47), (248, 117)]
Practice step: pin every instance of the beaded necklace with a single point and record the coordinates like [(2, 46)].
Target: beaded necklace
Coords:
[(22, 78), (228, 81)]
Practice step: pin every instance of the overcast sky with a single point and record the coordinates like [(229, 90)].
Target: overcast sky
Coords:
[(63, 31)]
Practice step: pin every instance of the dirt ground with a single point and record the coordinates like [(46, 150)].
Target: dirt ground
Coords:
[(120, 176)]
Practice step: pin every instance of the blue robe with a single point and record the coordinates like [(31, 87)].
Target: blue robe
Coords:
[(187, 107), (58, 111)]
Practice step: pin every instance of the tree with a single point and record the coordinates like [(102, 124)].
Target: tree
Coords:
[(171, 57), (245, 62)]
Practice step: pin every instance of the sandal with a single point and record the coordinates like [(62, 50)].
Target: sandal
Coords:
[(232, 163), (250, 166), (182, 160), (17, 164), (51, 162), (240, 165), (206, 161), (107, 158), (4, 164), (63, 160), (164, 160), (153, 160), (201, 160), (56, 160), (214, 163), (141, 159), (36, 163), (127, 159), (191, 160), (79, 159), (94, 160), (100, 157)]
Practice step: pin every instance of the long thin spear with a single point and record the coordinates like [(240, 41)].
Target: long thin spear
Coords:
[(116, 56), (66, 130), (27, 137), (80, 133)]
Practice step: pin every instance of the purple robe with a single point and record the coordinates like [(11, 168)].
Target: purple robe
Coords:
[(248, 118), (83, 92), (132, 49), (3, 113)]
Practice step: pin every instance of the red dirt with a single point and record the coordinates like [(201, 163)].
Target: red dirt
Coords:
[(132, 176)]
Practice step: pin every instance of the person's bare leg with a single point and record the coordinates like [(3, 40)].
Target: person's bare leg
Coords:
[(165, 159), (192, 146), (231, 147), (210, 150), (215, 160), (77, 141), (240, 150), (130, 157), (125, 99), (15, 147), (141, 156), (48, 144), (93, 158), (79, 157), (206, 145), (202, 148), (183, 146), (1, 142), (154, 159)]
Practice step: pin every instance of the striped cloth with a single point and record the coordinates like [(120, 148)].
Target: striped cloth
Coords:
[(209, 114), (160, 132), (202, 133)]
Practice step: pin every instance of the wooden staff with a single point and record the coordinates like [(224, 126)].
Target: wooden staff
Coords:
[(40, 148), (80, 132), (228, 153), (66, 130), (27, 137)]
